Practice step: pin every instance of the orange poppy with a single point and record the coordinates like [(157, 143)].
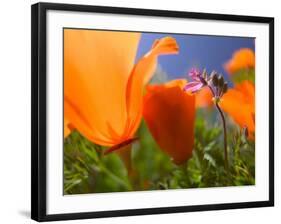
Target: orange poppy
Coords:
[(204, 98), (239, 103), (102, 85), (241, 59), (170, 113)]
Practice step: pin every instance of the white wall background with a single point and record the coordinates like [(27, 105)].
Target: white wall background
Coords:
[(15, 110)]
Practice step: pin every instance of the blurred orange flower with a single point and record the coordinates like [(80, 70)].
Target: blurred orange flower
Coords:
[(204, 98), (102, 85), (239, 103), (170, 113), (243, 58)]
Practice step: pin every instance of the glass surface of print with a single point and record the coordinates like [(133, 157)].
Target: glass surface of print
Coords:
[(151, 111)]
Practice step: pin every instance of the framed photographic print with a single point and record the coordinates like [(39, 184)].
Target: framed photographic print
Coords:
[(138, 111)]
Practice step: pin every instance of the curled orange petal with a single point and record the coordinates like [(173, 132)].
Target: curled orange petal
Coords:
[(239, 103), (141, 74), (170, 113), (102, 86), (241, 59)]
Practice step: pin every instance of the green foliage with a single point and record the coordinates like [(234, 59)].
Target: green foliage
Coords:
[(244, 74), (87, 170)]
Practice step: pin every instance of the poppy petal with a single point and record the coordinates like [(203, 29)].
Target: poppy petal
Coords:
[(84, 127), (141, 74), (204, 98), (97, 65), (169, 113), (67, 129), (241, 96), (241, 59)]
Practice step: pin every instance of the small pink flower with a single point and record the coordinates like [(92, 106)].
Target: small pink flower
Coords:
[(193, 86), (198, 81)]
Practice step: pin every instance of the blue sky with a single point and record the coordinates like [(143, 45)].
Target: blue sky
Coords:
[(200, 51)]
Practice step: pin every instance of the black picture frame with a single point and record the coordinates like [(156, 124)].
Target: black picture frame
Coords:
[(39, 121)]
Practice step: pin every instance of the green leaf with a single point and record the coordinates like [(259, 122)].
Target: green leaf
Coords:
[(210, 159)]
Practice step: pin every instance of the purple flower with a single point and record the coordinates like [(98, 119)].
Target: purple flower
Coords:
[(193, 86), (195, 74), (198, 81)]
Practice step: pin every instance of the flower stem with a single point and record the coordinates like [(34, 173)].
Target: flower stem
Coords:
[(225, 137), (224, 130)]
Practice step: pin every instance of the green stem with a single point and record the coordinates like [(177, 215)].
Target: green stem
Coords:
[(224, 131), (116, 178), (111, 174), (225, 137)]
